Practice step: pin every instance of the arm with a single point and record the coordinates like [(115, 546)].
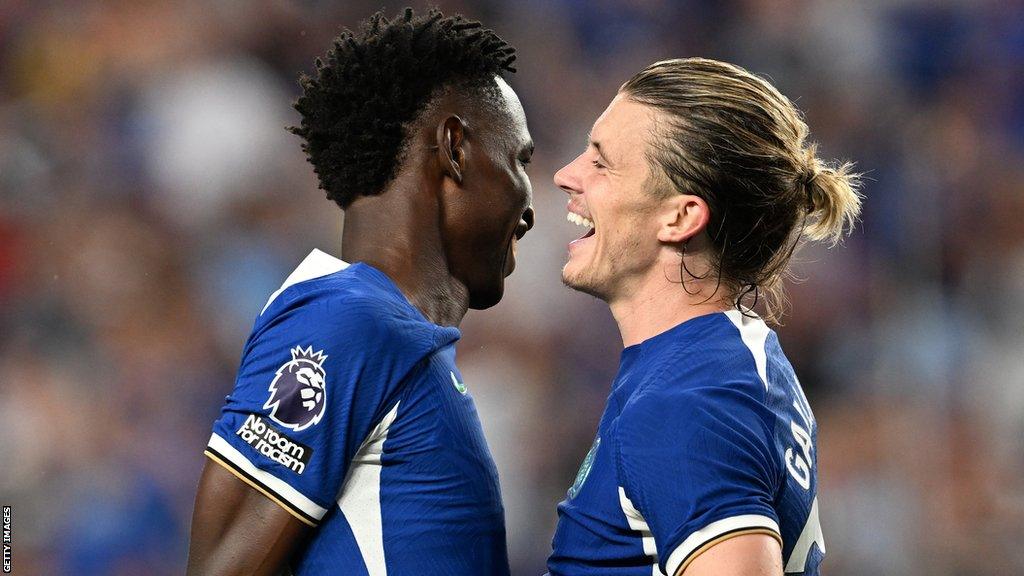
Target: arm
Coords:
[(746, 555), (698, 465), (238, 530), (254, 505)]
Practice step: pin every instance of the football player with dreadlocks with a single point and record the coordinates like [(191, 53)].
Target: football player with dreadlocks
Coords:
[(350, 444)]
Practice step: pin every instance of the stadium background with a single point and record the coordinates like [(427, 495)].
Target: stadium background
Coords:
[(150, 200)]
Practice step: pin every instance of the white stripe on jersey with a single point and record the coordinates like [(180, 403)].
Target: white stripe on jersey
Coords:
[(754, 332), (360, 497), (809, 535), (636, 522), (315, 265)]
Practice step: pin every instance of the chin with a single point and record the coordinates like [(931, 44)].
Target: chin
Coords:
[(485, 298), (578, 280)]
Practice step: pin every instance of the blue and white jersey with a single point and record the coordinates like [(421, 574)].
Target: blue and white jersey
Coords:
[(707, 435), (349, 412)]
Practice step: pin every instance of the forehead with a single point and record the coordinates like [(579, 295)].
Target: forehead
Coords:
[(512, 109), (624, 125)]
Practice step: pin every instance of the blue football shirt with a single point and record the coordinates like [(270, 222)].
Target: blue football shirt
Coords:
[(706, 435), (349, 412)]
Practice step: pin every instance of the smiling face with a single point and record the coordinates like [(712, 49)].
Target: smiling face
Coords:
[(491, 210), (608, 187)]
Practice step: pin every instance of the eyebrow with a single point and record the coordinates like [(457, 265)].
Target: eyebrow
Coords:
[(597, 146)]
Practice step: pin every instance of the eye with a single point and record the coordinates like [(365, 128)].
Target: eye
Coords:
[(525, 156), (597, 164)]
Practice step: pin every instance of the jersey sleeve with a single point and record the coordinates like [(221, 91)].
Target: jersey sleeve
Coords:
[(697, 466), (313, 382)]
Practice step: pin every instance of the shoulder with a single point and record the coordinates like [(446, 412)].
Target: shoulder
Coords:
[(702, 434), (353, 306), (726, 357), (715, 378), (686, 413)]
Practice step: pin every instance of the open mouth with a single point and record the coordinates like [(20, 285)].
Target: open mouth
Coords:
[(584, 222)]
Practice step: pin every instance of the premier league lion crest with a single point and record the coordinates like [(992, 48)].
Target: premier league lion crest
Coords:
[(298, 393)]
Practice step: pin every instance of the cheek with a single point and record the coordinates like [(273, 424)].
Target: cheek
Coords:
[(629, 241), (595, 183), (486, 231), (499, 220)]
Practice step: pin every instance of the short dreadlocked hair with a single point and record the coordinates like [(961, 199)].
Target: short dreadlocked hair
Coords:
[(358, 105)]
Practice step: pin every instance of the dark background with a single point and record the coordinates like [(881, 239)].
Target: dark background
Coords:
[(150, 200)]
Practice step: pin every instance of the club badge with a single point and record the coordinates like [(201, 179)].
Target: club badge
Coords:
[(585, 467), (298, 394)]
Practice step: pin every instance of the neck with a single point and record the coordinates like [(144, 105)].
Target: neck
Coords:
[(660, 302), (397, 233)]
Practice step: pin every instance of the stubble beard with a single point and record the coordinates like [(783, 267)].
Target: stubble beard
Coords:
[(604, 278), (583, 281), (599, 276)]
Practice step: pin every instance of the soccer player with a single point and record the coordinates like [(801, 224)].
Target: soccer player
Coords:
[(350, 444), (696, 184)]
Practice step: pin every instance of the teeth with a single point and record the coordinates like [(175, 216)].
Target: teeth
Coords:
[(579, 220)]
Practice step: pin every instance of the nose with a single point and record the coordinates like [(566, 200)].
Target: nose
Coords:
[(566, 179), (525, 223)]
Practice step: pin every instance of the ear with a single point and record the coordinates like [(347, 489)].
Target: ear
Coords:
[(682, 217), (451, 135)]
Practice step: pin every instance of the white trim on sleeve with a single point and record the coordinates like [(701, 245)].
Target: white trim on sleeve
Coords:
[(278, 487), (712, 531)]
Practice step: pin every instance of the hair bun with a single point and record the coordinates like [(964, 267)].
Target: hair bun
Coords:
[(833, 200), (807, 178)]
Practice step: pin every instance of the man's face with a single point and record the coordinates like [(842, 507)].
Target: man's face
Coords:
[(606, 188), (493, 207)]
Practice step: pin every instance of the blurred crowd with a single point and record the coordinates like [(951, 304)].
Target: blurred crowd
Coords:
[(151, 199)]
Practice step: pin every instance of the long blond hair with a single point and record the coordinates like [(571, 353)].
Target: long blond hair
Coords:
[(731, 138)]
